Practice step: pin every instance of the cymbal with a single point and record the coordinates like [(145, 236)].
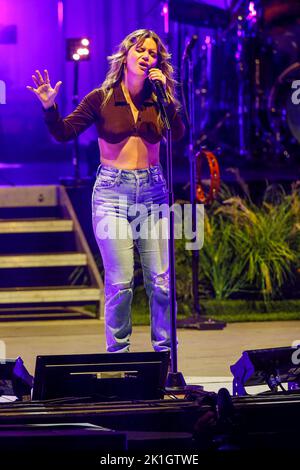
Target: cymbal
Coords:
[(199, 14)]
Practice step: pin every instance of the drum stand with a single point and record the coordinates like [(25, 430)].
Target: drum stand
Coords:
[(243, 148)]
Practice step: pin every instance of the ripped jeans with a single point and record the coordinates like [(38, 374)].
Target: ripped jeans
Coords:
[(124, 206)]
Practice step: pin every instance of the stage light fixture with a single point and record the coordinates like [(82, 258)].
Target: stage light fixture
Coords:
[(78, 49), (273, 367)]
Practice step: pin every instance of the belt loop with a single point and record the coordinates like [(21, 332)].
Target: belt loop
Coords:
[(98, 170), (118, 178)]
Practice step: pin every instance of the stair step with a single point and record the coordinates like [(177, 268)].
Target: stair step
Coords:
[(40, 313), (47, 268), (18, 295), (21, 213), (28, 243), (44, 315), (38, 226), (43, 260)]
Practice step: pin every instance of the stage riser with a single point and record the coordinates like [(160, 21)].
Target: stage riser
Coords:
[(255, 425), (283, 417), (48, 444)]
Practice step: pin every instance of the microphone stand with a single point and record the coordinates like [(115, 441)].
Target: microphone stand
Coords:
[(75, 102), (197, 321), (192, 160), (175, 380)]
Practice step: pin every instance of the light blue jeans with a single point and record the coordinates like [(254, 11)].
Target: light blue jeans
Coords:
[(124, 206)]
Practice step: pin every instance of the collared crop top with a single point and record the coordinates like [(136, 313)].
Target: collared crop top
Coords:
[(114, 121)]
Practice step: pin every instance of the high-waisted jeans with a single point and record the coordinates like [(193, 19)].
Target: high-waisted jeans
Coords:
[(125, 203)]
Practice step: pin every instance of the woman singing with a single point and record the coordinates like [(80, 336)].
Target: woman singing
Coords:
[(129, 186)]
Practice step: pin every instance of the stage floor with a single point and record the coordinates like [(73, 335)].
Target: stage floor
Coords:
[(204, 357)]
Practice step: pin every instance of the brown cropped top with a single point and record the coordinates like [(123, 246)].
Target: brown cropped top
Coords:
[(114, 121)]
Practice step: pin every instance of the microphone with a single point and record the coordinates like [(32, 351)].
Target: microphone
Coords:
[(189, 46), (160, 91)]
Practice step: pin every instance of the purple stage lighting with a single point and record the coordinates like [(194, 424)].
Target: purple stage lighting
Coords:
[(78, 49)]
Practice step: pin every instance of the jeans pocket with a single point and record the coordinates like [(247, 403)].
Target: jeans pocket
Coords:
[(158, 179), (106, 180), (159, 183)]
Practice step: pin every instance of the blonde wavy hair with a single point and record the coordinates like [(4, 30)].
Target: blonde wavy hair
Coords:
[(117, 63)]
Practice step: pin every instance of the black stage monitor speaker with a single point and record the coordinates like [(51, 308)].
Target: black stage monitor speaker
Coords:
[(15, 380), (101, 377), (272, 366)]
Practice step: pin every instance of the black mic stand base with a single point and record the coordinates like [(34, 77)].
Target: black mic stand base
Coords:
[(175, 385)]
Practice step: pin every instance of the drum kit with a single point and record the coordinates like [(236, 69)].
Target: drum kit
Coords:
[(236, 93), (243, 77)]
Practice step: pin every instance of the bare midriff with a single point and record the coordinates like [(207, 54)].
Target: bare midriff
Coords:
[(132, 153)]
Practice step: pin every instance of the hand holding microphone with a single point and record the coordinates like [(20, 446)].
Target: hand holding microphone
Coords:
[(158, 82)]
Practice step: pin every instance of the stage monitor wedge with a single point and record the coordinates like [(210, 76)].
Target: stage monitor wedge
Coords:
[(272, 366), (101, 377)]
